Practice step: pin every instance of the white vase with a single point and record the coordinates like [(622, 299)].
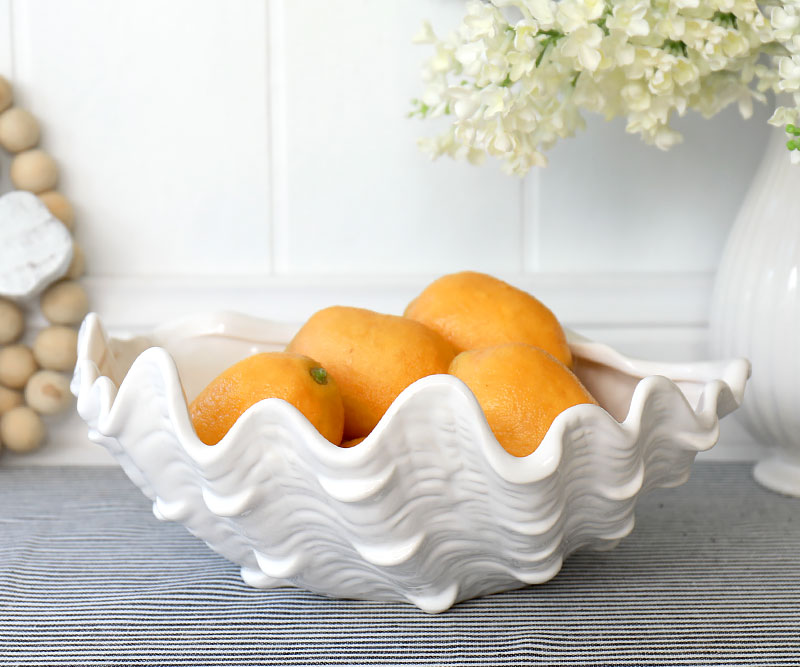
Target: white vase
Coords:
[(756, 312)]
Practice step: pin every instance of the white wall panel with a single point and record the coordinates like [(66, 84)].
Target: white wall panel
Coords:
[(360, 197), (211, 144), (587, 303), (608, 202), (6, 40), (157, 113), (6, 70)]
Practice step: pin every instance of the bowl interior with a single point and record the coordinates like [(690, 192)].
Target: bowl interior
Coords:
[(200, 359)]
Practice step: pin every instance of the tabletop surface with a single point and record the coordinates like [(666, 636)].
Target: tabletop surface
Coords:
[(710, 575)]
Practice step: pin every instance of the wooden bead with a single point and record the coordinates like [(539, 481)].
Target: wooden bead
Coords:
[(60, 207), (17, 364), (21, 429), (34, 170), (77, 267), (56, 348), (19, 130), (47, 392), (64, 302), (9, 399), (12, 321), (6, 95)]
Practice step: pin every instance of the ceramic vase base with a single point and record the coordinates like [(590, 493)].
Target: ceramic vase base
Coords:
[(779, 474)]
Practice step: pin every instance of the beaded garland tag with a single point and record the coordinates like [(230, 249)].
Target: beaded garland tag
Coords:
[(39, 258)]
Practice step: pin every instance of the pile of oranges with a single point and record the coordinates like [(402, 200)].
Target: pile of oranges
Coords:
[(346, 365)]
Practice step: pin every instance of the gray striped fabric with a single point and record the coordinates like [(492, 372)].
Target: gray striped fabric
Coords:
[(710, 575)]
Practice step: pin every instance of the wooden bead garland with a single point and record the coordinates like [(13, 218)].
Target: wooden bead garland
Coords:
[(60, 207), (64, 302), (34, 380), (47, 392), (17, 364), (19, 130), (77, 267), (9, 399), (21, 429), (56, 348), (34, 170), (12, 321), (6, 95)]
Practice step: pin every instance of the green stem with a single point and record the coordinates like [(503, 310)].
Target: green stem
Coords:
[(552, 37), (319, 375), (676, 47), (726, 19)]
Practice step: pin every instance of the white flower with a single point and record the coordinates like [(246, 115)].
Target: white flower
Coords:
[(618, 50), (425, 35), (785, 22), (671, 26), (643, 61), (480, 21), (702, 34), (665, 138), (464, 104), (496, 101), (525, 32), (767, 78), (441, 62), (661, 82), (734, 44), (745, 104), (521, 64), (789, 71), (629, 17), (783, 116), (636, 96), (573, 15), (499, 141), (685, 73), (435, 98), (544, 11), (583, 44), (516, 74), (471, 55)]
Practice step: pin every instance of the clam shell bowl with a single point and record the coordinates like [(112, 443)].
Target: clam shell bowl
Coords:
[(429, 509)]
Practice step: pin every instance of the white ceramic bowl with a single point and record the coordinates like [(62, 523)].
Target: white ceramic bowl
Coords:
[(429, 508)]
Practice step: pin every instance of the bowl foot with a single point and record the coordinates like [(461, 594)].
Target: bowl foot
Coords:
[(779, 474)]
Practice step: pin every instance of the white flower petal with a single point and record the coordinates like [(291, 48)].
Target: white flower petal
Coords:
[(425, 35)]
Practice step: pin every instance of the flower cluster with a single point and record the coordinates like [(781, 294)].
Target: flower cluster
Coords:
[(516, 74)]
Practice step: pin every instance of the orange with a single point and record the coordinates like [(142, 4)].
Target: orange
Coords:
[(372, 357), (473, 310), (521, 389), (293, 377), (353, 442)]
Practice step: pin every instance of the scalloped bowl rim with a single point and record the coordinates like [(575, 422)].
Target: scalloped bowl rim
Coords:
[(538, 464)]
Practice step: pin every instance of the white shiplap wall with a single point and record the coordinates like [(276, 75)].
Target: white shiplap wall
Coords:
[(255, 155)]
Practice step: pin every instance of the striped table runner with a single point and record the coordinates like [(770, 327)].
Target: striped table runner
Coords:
[(710, 575)]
